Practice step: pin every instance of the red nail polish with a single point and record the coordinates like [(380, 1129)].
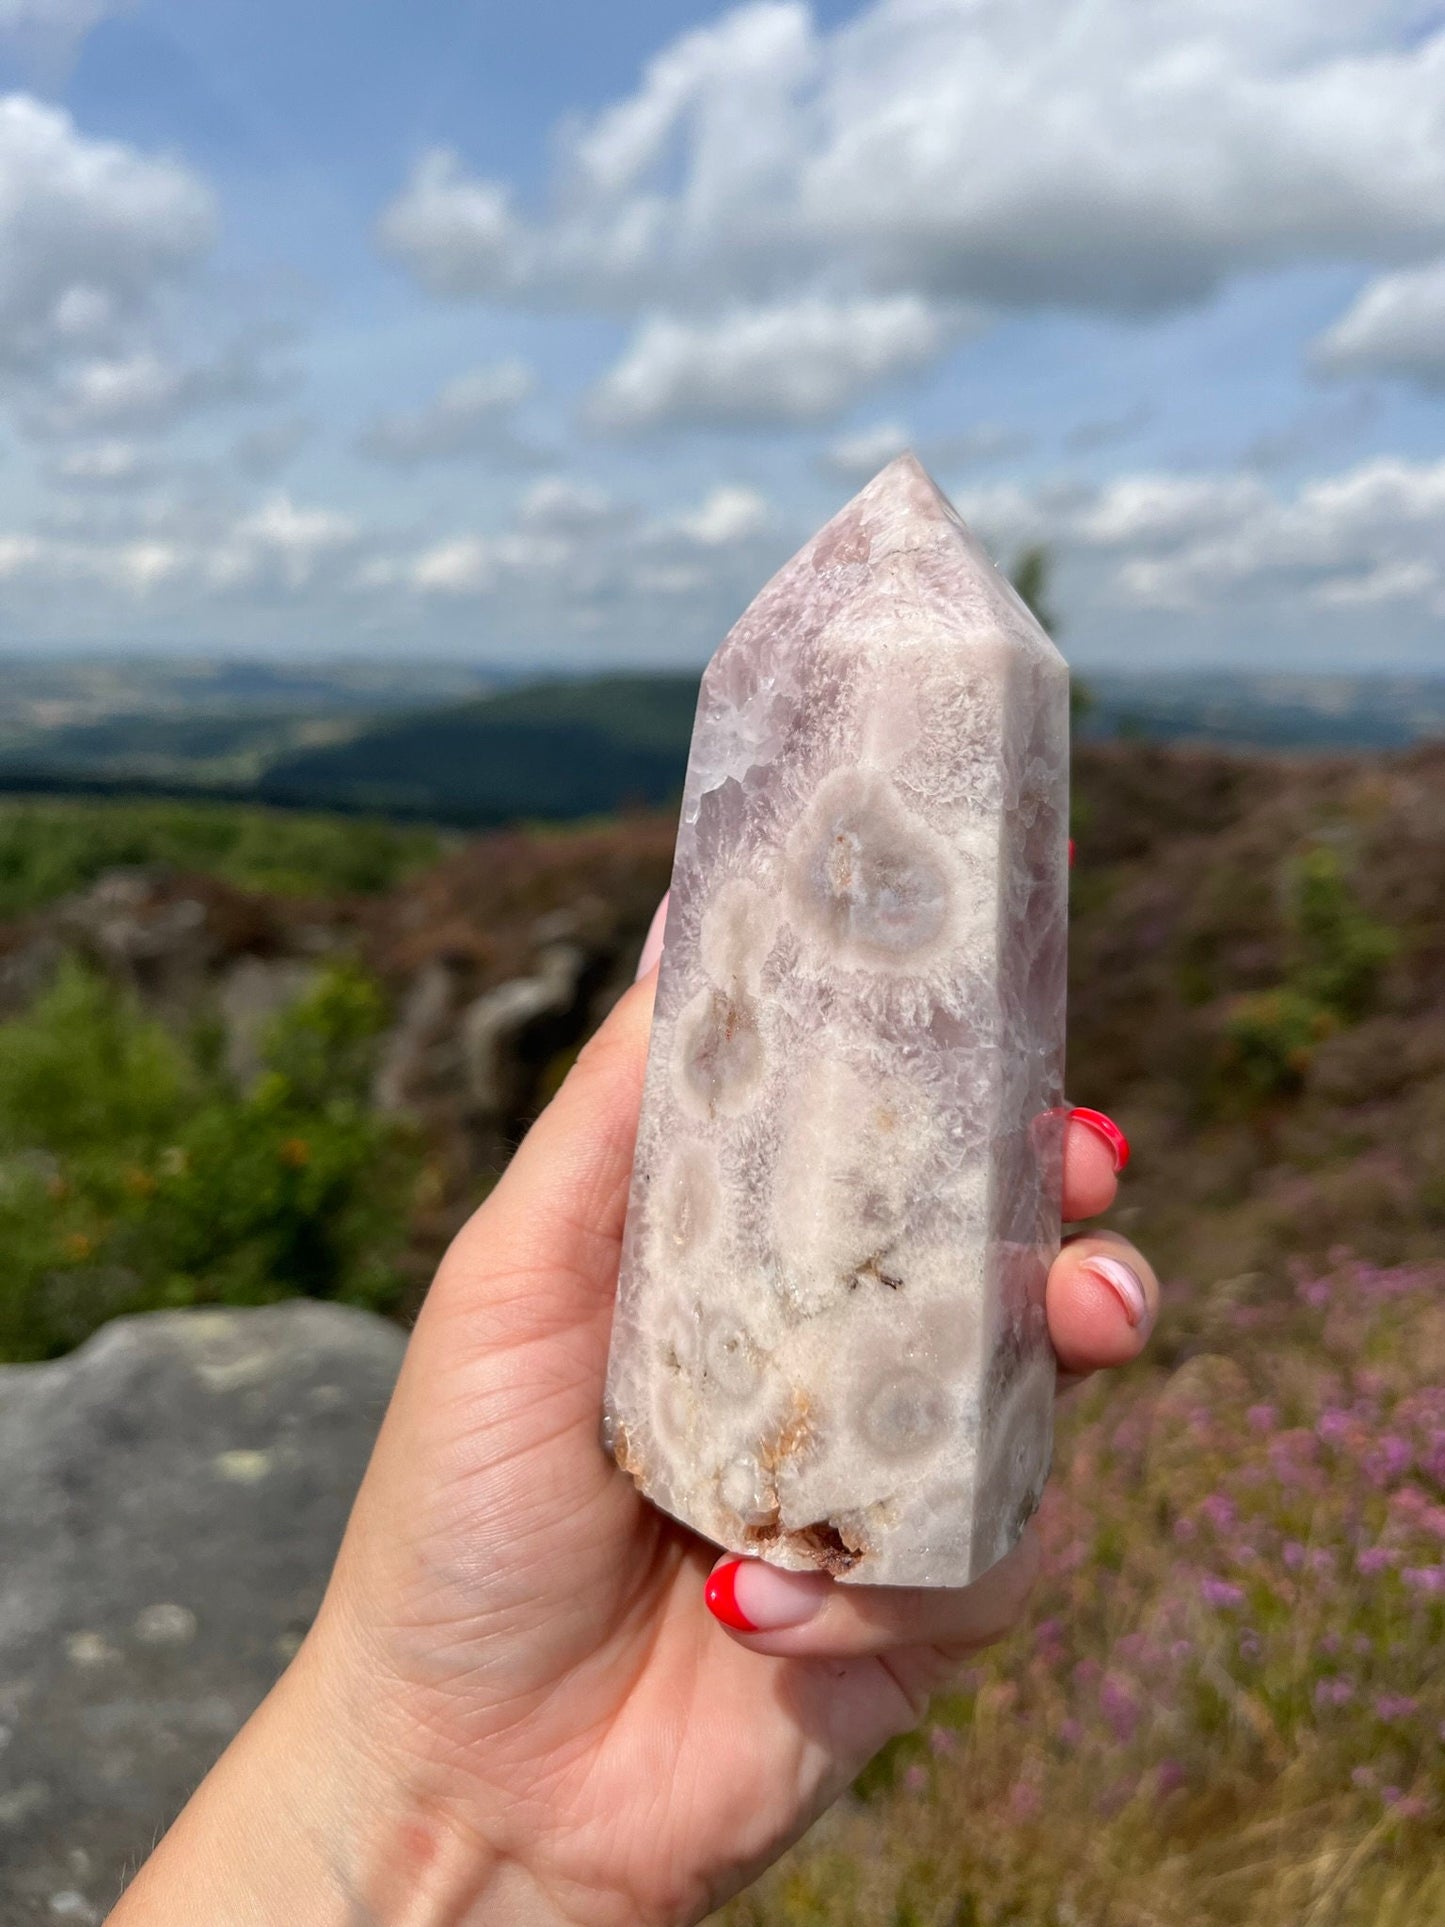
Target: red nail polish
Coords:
[(1108, 1130), (1071, 853), (722, 1599)]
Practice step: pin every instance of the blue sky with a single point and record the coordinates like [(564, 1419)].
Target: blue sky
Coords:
[(542, 334)]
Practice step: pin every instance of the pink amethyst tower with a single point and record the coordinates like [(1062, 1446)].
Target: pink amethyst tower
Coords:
[(830, 1347)]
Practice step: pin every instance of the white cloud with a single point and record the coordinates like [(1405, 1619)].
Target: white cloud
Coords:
[(725, 93), (669, 579), (1375, 533), (276, 548), (1396, 326), (857, 457), (108, 464), (462, 566), (558, 502), (1229, 565), (142, 391), (456, 234), (471, 415), (1391, 582), (565, 534), (143, 566), (1170, 564), (19, 553), (281, 540), (727, 515), (89, 231), (1093, 153), (577, 551), (133, 568), (804, 361), (1346, 562), (1147, 511)]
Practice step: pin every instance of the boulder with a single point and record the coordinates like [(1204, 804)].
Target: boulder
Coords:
[(173, 1496), (496, 1024)]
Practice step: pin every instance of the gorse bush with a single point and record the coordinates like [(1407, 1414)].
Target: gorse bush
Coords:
[(133, 1175)]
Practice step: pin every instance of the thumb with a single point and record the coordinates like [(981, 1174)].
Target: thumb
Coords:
[(543, 1249)]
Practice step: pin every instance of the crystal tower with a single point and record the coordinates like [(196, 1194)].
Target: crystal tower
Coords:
[(830, 1348)]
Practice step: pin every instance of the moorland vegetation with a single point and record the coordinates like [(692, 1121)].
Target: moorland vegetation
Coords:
[(1227, 1708)]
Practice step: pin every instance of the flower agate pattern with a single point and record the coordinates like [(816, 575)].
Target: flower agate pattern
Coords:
[(829, 1348)]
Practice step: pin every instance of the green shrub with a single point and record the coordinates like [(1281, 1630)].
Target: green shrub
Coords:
[(1336, 956), (133, 1175), (1269, 1039), (49, 847), (1340, 952)]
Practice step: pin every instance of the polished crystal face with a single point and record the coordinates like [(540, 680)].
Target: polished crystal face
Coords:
[(830, 1347)]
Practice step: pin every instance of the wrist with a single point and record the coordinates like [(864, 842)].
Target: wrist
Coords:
[(306, 1822)]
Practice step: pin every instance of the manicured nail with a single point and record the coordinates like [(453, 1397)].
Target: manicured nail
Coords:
[(652, 948), (754, 1598), (1126, 1285), (1108, 1130), (1071, 853)]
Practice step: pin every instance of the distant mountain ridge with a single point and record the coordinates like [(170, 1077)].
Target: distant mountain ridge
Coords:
[(562, 748)]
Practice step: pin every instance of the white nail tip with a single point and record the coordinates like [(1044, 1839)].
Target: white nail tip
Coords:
[(1126, 1285)]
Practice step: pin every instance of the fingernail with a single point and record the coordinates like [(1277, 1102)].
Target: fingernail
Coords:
[(652, 947), (1126, 1285), (755, 1598), (1108, 1130), (1071, 853)]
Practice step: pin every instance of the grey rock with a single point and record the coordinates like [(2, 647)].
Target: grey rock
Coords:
[(138, 929), (253, 993), (419, 1045), (492, 1025), (173, 1498)]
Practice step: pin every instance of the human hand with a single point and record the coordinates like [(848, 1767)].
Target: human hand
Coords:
[(515, 1704)]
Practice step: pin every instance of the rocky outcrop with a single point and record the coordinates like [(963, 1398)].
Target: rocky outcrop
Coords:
[(173, 1498), (496, 964)]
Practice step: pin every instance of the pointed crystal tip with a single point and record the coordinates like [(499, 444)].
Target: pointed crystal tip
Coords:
[(903, 513)]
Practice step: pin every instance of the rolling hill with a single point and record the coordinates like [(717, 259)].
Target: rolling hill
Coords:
[(559, 749)]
